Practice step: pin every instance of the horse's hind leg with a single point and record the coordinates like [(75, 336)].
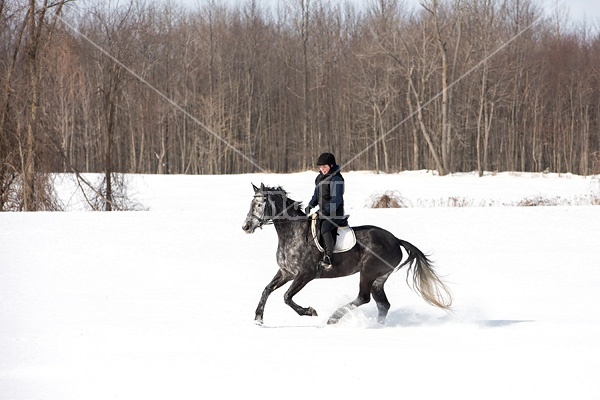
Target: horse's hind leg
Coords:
[(383, 305), (363, 298)]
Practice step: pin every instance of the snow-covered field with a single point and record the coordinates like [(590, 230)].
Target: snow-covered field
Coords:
[(160, 304)]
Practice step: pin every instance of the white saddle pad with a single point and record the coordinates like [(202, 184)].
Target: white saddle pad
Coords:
[(346, 238)]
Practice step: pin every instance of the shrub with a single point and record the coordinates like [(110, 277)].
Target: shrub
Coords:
[(389, 199)]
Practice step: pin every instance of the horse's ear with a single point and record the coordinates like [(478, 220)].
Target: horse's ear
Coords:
[(262, 187), (255, 188)]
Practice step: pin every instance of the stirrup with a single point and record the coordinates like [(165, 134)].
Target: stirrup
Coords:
[(325, 263)]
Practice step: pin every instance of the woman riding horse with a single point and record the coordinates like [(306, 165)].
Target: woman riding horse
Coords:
[(329, 196)]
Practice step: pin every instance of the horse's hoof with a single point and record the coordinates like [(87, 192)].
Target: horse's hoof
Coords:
[(258, 321), (336, 316), (312, 312)]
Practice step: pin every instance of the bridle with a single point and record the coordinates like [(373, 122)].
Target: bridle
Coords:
[(267, 218), (261, 219)]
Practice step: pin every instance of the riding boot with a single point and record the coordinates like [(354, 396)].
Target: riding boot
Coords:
[(328, 248)]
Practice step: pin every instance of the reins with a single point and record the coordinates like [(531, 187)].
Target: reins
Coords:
[(310, 238)]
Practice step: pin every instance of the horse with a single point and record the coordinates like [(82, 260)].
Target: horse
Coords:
[(376, 255)]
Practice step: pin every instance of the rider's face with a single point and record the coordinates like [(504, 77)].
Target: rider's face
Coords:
[(324, 169)]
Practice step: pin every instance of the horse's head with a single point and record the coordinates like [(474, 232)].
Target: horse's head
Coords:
[(268, 205), (260, 210)]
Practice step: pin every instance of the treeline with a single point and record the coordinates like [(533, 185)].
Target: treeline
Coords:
[(151, 87)]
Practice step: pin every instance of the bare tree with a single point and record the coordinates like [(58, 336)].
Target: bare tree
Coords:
[(24, 183), (449, 85)]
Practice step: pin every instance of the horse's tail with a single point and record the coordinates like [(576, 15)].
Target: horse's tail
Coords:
[(425, 280)]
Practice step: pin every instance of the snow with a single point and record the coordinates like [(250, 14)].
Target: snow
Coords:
[(160, 304)]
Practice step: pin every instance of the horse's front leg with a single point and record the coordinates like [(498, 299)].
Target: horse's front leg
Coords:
[(278, 280), (297, 284)]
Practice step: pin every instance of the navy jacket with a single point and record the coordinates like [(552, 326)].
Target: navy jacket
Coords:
[(329, 193)]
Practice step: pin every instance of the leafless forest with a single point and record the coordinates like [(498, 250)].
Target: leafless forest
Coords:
[(153, 87)]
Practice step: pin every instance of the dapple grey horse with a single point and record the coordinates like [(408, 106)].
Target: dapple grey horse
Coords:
[(376, 255)]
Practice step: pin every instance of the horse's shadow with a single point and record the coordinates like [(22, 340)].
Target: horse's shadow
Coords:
[(499, 323), (409, 318)]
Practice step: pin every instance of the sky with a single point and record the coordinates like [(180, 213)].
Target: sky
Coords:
[(588, 10), (160, 304), (578, 10)]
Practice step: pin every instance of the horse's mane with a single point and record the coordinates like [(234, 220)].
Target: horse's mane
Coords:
[(275, 189), (288, 201)]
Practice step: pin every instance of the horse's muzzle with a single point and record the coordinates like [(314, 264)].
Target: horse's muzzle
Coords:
[(248, 227)]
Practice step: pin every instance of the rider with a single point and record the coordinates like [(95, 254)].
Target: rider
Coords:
[(329, 196)]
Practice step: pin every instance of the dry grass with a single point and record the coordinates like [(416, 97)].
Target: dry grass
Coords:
[(540, 201), (592, 199), (453, 201), (393, 199)]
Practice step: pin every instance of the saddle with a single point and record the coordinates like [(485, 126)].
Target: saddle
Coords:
[(344, 241)]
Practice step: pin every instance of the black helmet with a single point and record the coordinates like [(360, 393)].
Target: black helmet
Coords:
[(326, 159)]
